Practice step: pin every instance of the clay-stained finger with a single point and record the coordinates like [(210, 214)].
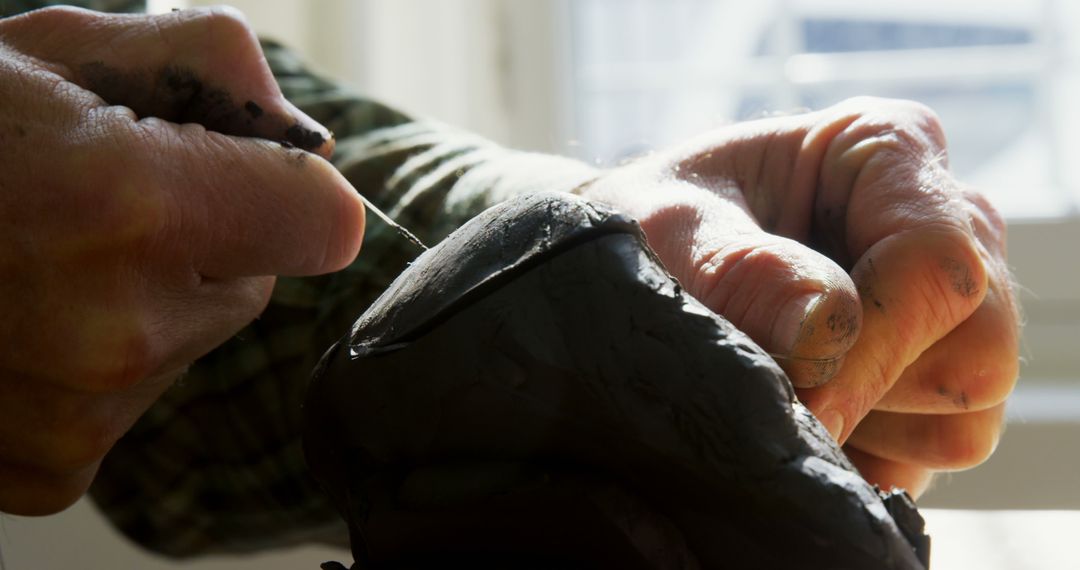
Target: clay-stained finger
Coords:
[(915, 288), (202, 66), (974, 367)]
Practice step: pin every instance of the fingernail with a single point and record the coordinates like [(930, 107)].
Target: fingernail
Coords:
[(305, 132), (791, 320), (833, 422)]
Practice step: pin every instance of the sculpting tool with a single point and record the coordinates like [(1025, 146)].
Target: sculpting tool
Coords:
[(400, 228)]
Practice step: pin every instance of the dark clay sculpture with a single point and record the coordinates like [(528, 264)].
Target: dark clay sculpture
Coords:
[(538, 392)]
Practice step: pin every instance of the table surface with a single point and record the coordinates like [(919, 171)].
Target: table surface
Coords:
[(963, 539)]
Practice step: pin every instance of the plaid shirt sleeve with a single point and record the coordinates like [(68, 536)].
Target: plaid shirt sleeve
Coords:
[(216, 465)]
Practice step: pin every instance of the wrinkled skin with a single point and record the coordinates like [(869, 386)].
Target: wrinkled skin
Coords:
[(140, 230), (840, 243), (132, 245)]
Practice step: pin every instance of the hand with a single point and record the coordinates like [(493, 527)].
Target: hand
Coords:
[(841, 244), (131, 244)]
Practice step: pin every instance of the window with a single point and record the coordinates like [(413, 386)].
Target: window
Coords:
[(648, 73)]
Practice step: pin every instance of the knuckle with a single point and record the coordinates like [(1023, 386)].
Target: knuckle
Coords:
[(899, 125), (226, 18), (922, 120), (874, 386), (943, 275), (218, 24), (721, 280), (121, 362), (876, 374)]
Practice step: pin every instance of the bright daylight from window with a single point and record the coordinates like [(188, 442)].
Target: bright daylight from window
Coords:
[(1004, 77), (997, 72)]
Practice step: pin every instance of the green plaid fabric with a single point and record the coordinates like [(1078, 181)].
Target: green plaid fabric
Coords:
[(216, 465)]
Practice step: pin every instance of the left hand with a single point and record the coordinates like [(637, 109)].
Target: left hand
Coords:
[(841, 244)]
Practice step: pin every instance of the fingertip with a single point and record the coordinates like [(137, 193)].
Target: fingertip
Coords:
[(346, 234), (793, 320), (830, 324), (353, 225), (823, 335), (306, 133)]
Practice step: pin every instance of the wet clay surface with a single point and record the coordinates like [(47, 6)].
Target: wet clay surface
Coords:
[(545, 334), (179, 95)]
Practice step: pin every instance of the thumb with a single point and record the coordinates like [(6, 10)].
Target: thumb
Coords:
[(193, 66), (794, 302)]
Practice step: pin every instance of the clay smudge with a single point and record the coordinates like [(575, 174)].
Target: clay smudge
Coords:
[(843, 324), (253, 109), (825, 370), (304, 138), (177, 94), (960, 400), (192, 101), (959, 277), (866, 291)]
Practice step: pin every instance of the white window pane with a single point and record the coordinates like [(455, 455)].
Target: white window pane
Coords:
[(650, 72)]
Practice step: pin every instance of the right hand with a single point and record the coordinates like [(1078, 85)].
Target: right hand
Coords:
[(839, 242), (131, 244)]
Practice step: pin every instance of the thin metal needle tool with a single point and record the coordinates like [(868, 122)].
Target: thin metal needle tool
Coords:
[(400, 229)]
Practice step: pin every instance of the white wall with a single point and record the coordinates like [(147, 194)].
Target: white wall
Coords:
[(477, 64)]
